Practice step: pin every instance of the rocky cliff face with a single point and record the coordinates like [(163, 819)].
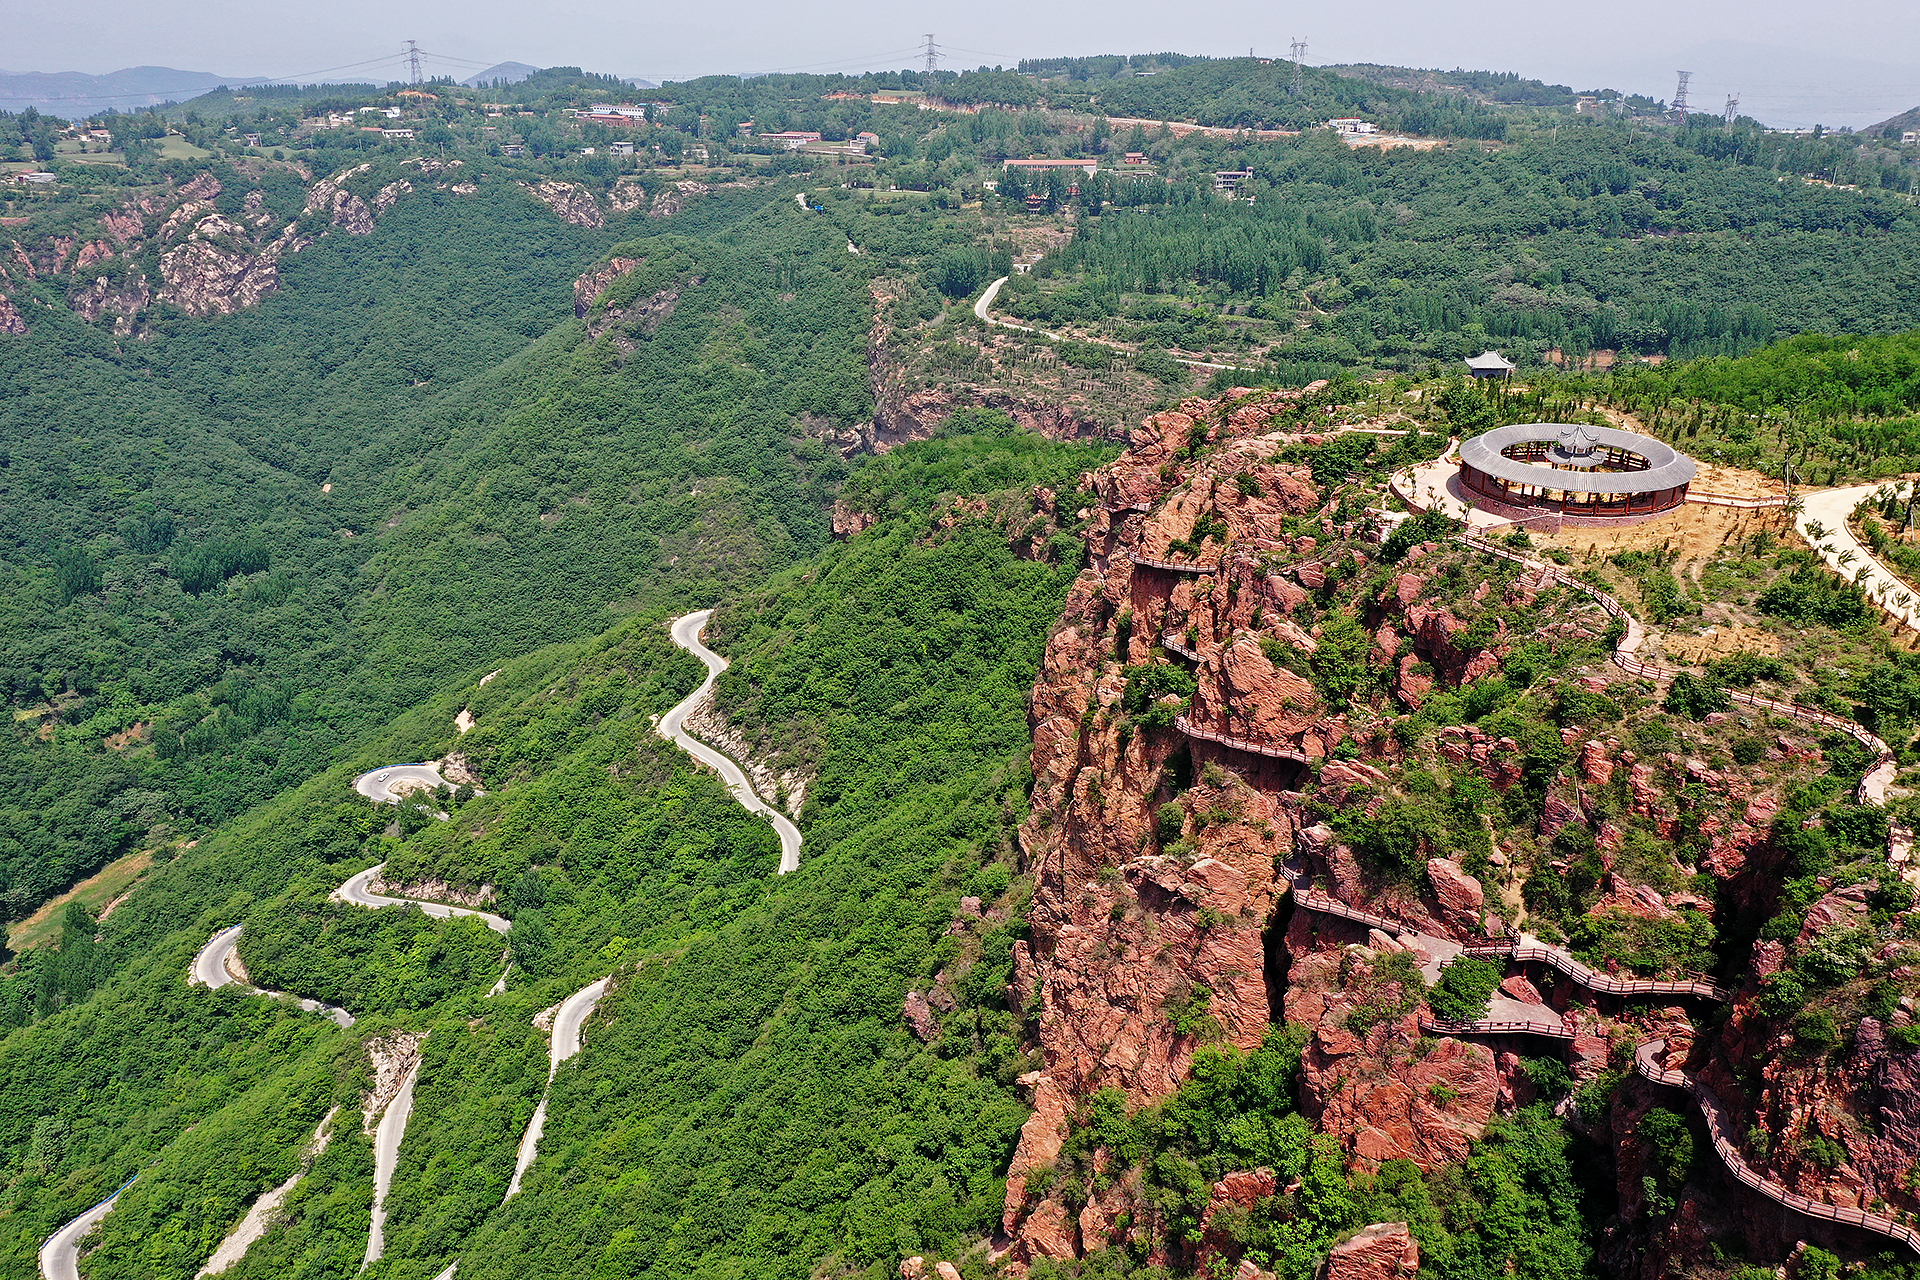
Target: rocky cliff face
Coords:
[(210, 250), (1155, 840), (1228, 690)]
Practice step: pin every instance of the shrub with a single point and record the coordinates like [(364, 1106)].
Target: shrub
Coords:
[(1465, 990), (1396, 839), (1147, 684), (1813, 595), (1695, 698), (1666, 1131), (1816, 1029), (1549, 1075), (1744, 669), (1428, 526)]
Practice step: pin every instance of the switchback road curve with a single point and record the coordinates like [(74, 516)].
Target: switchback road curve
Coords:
[(686, 633), (210, 970), (355, 891)]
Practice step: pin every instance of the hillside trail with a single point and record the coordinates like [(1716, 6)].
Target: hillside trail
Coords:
[(1520, 947), (983, 310)]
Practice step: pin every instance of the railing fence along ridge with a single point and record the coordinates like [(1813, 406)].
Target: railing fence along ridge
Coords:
[(1174, 566), (1186, 726), (1636, 666), (1744, 1173)]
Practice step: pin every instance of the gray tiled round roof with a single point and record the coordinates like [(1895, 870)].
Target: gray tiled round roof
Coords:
[(1667, 468)]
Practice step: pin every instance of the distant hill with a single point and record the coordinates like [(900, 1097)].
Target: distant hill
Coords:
[(76, 94), (511, 72), (1897, 125)]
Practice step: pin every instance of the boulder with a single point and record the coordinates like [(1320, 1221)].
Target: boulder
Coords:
[(1383, 1251), (919, 1016), (1458, 894)]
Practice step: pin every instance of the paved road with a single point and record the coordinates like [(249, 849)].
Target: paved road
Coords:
[(386, 1157), (60, 1255), (210, 970), (1830, 508), (565, 1044), (983, 309), (355, 891), (388, 784), (686, 634)]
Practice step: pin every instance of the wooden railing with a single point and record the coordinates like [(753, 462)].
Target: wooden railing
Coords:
[(1497, 1027), (1172, 645), (1328, 905), (1745, 1174), (1694, 984), (1173, 566), (1185, 726), (1732, 500)]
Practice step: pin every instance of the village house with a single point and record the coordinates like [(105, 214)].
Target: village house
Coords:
[(1040, 164), (789, 139)]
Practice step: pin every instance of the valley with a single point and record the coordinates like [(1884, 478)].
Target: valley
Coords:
[(834, 710)]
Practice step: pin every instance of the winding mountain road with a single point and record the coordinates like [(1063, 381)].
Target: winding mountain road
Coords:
[(210, 970), (386, 1158), (60, 1255), (390, 783), (686, 633), (355, 891), (565, 1044)]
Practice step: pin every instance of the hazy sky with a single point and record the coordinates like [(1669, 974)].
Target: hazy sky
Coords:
[(1631, 44)]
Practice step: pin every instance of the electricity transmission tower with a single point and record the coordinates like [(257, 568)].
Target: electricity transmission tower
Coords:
[(1299, 52), (1680, 97), (1733, 109), (413, 61), (933, 54)]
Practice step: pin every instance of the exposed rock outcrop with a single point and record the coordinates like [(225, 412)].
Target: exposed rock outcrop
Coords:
[(571, 201), (592, 283), (675, 198), (1384, 1251), (210, 255), (1157, 831)]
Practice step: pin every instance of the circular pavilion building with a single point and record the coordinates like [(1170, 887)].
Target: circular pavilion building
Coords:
[(1578, 473)]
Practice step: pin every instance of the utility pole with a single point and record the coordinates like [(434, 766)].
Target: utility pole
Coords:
[(1299, 54), (1680, 97), (933, 54), (1733, 109), (413, 61)]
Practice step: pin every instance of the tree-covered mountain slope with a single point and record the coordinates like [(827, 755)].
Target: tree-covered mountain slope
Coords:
[(751, 1096), (232, 548)]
